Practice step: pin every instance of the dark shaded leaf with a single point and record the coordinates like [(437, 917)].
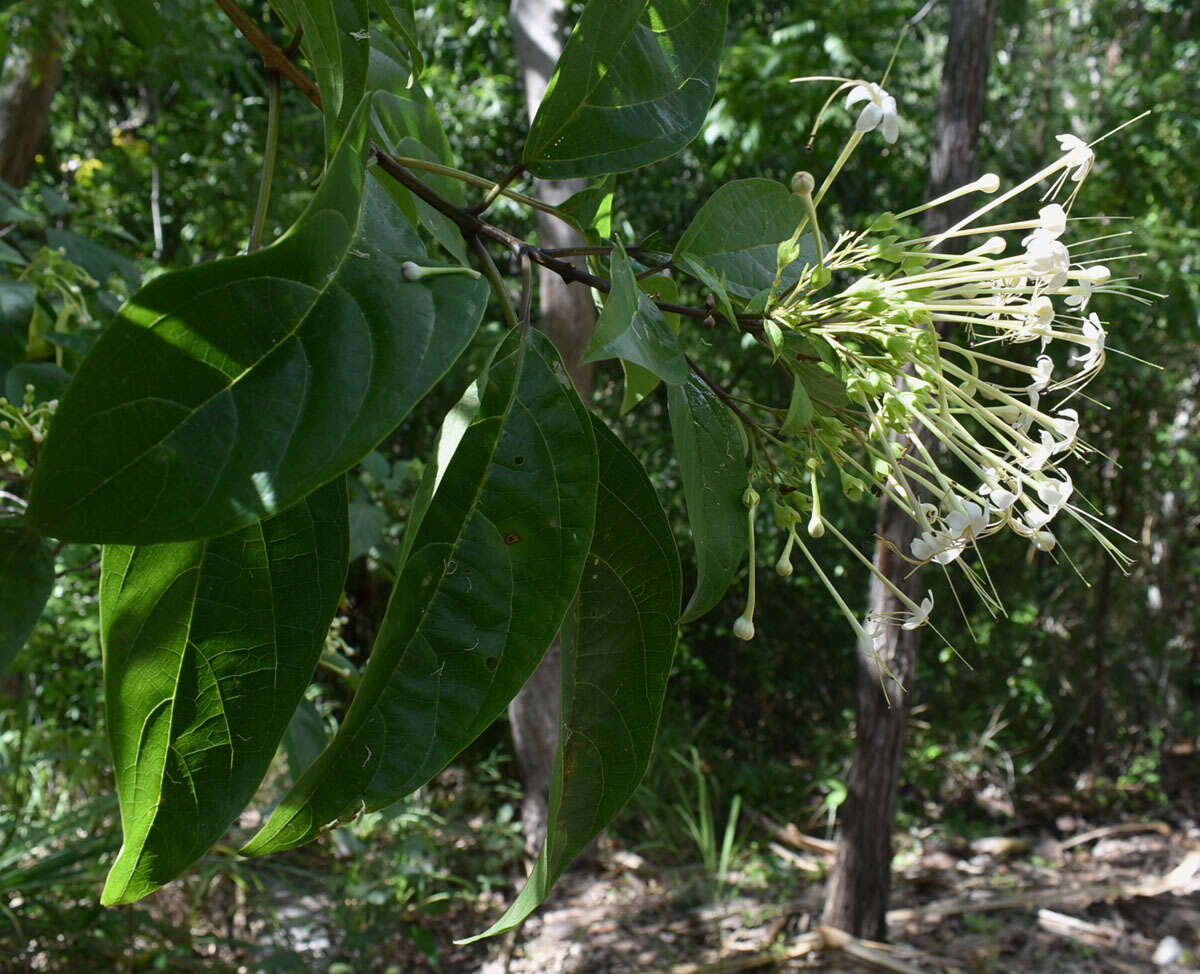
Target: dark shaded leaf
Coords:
[(712, 463), (494, 557), (617, 645), (26, 580)]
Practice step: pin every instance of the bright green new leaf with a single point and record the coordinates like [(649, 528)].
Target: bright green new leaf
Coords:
[(712, 463), (632, 328), (224, 393), (737, 232), (590, 210), (800, 410), (26, 580), (633, 84), (617, 644), (208, 646), (491, 566)]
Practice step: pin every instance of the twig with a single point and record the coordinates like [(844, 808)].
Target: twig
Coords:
[(492, 273), (498, 188), (268, 167), (1125, 828), (792, 835), (274, 58)]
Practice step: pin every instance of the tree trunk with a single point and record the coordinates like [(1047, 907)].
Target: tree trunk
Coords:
[(30, 79), (567, 317), (857, 896)]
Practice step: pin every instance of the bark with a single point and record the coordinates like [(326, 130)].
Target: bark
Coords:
[(567, 316), (31, 76), (856, 899)]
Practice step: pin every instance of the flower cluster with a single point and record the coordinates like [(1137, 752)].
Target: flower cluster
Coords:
[(940, 378)]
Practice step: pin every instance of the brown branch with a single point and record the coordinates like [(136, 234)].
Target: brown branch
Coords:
[(274, 57)]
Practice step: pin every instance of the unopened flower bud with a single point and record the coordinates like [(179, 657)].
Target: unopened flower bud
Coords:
[(743, 628), (803, 183), (989, 182)]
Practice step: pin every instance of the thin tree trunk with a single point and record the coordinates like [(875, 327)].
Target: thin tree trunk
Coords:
[(30, 79), (857, 896), (567, 317)]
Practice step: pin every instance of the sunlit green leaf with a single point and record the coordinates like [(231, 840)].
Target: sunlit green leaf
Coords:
[(491, 567), (633, 84), (208, 646), (225, 392)]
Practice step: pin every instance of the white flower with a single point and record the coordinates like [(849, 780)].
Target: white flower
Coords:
[(1038, 454), (1047, 260), (967, 521), (1079, 156), (1002, 499), (1067, 424), (1052, 223), (878, 113), (936, 546), (920, 615), (1041, 374), (1036, 518), (1093, 341), (1055, 493), (743, 628), (1080, 294)]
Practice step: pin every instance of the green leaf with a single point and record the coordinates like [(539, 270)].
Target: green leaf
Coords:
[(99, 261), (633, 84), (617, 645), (208, 646), (632, 328), (590, 210), (400, 17), (707, 276), (141, 21), (26, 580), (406, 123), (224, 393), (492, 566), (16, 312), (800, 410), (712, 462), (737, 232), (47, 379), (367, 523), (336, 41), (639, 382)]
